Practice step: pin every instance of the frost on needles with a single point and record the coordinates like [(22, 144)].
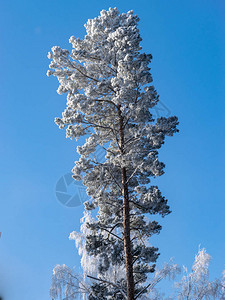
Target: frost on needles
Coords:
[(110, 98)]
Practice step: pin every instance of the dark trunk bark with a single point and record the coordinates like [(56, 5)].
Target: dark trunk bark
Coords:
[(127, 241), (126, 222)]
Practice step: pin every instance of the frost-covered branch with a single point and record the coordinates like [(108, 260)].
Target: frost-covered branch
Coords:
[(110, 283)]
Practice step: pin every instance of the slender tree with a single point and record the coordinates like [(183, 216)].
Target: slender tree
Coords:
[(196, 284), (110, 98)]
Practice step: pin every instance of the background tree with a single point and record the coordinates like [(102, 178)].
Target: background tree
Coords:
[(110, 98), (193, 285), (196, 284), (69, 284)]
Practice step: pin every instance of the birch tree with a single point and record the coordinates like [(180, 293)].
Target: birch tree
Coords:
[(110, 99), (196, 284)]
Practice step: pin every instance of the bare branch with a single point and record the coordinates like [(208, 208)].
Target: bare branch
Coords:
[(114, 228)]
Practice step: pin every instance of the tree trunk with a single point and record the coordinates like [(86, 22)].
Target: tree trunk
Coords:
[(127, 241), (126, 222)]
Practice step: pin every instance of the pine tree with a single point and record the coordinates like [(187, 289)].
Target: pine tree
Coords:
[(110, 98)]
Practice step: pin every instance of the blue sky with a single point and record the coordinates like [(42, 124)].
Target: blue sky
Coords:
[(186, 39)]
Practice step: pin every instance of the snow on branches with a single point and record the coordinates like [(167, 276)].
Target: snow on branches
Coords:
[(110, 98)]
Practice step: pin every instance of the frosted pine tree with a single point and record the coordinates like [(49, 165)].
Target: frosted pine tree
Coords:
[(110, 98)]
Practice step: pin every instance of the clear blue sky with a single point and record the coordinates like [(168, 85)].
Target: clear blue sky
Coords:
[(187, 41)]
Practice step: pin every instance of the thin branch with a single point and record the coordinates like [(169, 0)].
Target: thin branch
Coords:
[(105, 100), (138, 205), (111, 230), (107, 150), (108, 282), (108, 169), (97, 125), (135, 170), (139, 280), (132, 138), (115, 180), (87, 76), (148, 286), (126, 122), (112, 233)]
